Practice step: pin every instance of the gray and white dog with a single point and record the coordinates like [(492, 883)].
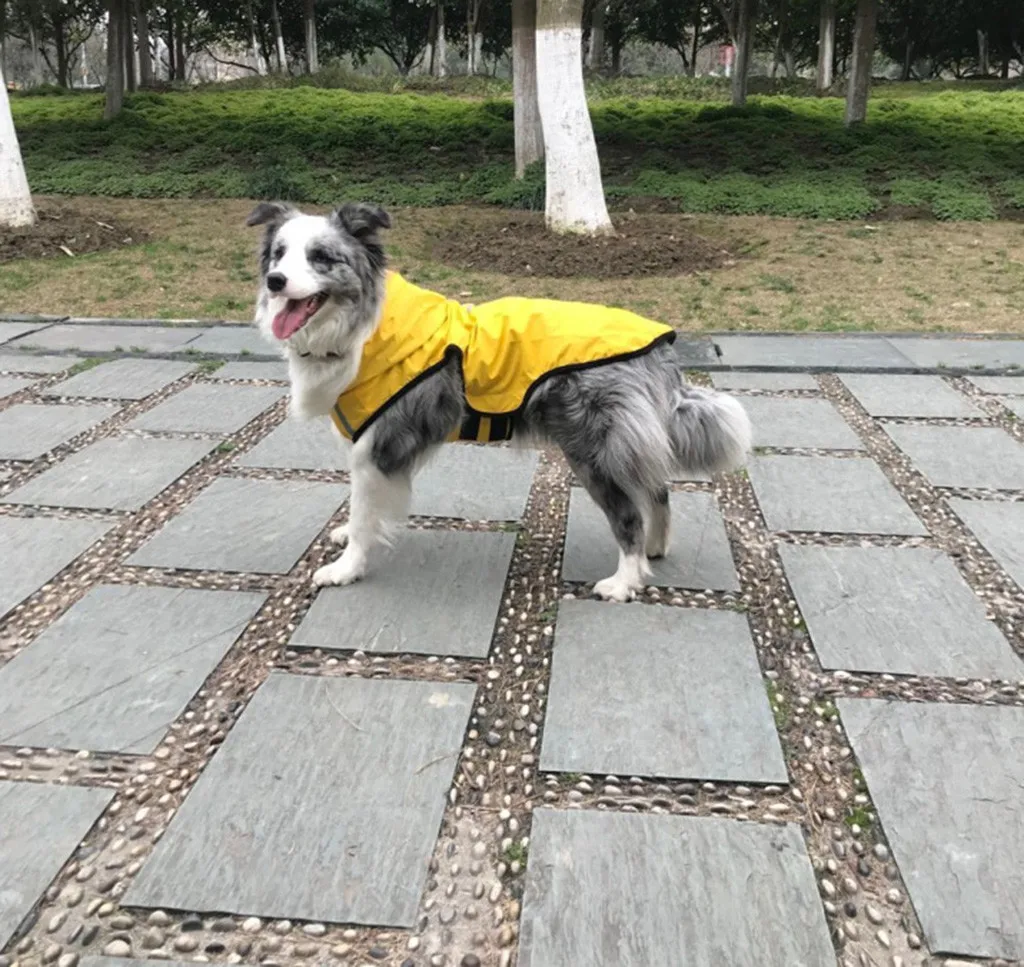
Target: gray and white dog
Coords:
[(625, 427)]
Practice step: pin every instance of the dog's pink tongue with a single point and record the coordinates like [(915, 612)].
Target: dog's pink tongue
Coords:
[(291, 318)]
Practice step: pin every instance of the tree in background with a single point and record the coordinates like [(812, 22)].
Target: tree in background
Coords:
[(574, 199), (529, 136), (859, 82)]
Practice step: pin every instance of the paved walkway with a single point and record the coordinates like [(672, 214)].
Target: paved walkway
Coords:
[(804, 746)]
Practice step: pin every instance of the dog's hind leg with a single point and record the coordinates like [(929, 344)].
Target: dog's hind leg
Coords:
[(659, 526), (627, 525), (377, 501)]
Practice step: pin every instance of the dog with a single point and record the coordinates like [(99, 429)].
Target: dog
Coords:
[(402, 370)]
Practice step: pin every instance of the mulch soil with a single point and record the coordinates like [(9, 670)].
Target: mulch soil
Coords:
[(521, 245), (62, 232)]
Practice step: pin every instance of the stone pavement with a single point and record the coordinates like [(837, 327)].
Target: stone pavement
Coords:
[(803, 746)]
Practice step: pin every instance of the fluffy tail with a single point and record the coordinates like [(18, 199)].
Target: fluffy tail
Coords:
[(710, 431)]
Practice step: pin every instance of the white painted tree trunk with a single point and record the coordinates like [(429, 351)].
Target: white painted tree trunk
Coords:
[(826, 45), (35, 56), (442, 44), (15, 199), (282, 57), (529, 135), (575, 193)]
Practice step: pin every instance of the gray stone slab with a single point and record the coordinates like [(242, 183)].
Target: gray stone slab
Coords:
[(299, 445), (799, 423), (999, 526), (438, 594), (475, 483), (113, 474), (232, 341), (276, 371), (999, 384), (948, 782), (764, 381), (961, 353), (641, 690), (918, 396), (235, 524), (9, 385), (1015, 405), (13, 330), (323, 804), (28, 430), (695, 351), (33, 363), (35, 549), (41, 825), (209, 408), (122, 379), (112, 673), (829, 495), (810, 352), (903, 610), (698, 558), (108, 339), (609, 888), (962, 456)]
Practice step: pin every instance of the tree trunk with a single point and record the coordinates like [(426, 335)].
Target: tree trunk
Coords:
[(257, 52), (35, 77), (114, 100), (128, 44), (15, 199), (472, 36), (826, 45), (312, 57), (526, 112), (908, 60), (1004, 71), (780, 38), (859, 82), (575, 195), (441, 60), (275, 18), (695, 49), (170, 43), (61, 46), (983, 64), (180, 58), (743, 40), (145, 60), (616, 58), (595, 56)]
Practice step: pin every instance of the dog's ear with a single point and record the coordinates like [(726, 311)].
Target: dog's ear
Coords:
[(270, 213), (363, 221)]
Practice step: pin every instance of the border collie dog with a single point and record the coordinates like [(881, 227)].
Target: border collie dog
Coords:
[(401, 370)]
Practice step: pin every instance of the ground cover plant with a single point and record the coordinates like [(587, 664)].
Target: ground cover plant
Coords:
[(666, 143)]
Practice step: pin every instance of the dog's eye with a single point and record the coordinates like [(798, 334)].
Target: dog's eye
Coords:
[(321, 255), (278, 253)]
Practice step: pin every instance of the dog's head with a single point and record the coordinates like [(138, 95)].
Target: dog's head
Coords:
[(318, 267)]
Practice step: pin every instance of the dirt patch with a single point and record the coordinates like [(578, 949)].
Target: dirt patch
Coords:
[(64, 232), (521, 245)]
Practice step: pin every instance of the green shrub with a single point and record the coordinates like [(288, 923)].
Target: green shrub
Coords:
[(954, 152)]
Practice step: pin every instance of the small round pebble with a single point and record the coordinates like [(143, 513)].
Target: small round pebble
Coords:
[(471, 960), (117, 948)]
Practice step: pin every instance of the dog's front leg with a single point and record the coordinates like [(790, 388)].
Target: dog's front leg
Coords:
[(377, 504)]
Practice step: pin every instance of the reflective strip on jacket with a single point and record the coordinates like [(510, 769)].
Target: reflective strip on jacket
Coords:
[(507, 347)]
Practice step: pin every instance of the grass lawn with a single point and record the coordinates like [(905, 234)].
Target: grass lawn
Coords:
[(787, 274), (951, 154)]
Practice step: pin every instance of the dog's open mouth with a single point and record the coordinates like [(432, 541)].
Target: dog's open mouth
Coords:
[(296, 314)]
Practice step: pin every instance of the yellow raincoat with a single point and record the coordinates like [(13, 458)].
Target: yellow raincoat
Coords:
[(507, 347)]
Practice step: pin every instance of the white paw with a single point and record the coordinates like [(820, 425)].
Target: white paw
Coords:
[(339, 573), (615, 589), (340, 535)]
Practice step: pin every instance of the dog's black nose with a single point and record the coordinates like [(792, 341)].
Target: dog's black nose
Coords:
[(276, 281)]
